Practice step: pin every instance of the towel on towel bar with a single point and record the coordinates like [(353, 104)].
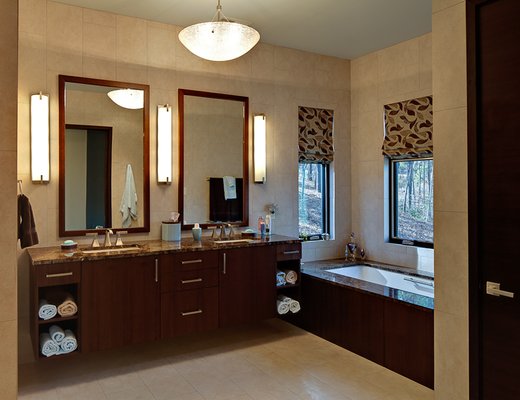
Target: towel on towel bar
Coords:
[(47, 310), (69, 342), (230, 187), (68, 306), (291, 277), (48, 347), (56, 333), (26, 225)]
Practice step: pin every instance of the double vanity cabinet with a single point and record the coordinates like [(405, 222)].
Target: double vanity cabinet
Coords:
[(167, 289)]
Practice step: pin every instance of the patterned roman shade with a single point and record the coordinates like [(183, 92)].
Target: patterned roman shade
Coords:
[(315, 135), (409, 126)]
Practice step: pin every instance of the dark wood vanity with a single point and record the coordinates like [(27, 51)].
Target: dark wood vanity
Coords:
[(166, 290)]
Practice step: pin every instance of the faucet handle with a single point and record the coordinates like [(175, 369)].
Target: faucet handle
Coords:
[(231, 231), (95, 241), (119, 241), (213, 231)]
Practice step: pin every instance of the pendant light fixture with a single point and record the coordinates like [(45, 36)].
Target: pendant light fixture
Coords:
[(132, 99), (220, 39)]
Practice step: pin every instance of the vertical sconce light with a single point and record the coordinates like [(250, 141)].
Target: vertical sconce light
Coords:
[(40, 153), (259, 132), (164, 144)]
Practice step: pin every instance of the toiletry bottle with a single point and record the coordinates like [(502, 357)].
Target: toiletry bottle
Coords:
[(268, 225), (197, 233), (260, 222)]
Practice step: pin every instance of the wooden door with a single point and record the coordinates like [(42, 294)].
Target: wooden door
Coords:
[(236, 291), (120, 302), (494, 197)]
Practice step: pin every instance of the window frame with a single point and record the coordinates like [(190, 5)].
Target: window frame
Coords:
[(326, 204), (392, 184)]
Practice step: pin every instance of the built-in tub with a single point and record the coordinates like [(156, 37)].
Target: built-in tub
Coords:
[(395, 280)]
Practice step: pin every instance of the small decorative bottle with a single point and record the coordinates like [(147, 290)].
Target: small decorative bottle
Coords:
[(197, 233), (351, 248)]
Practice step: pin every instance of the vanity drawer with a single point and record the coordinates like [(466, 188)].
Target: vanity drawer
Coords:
[(292, 251), (58, 274), (189, 311), (195, 260), (195, 279)]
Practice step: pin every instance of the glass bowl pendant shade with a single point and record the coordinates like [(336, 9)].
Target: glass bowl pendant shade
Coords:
[(127, 98), (219, 40)]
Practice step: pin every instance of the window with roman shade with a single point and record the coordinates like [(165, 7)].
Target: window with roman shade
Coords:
[(315, 142), (408, 129)]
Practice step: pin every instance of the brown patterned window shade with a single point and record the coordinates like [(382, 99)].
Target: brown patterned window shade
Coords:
[(409, 126), (315, 135)]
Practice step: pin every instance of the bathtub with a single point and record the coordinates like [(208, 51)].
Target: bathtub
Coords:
[(395, 280)]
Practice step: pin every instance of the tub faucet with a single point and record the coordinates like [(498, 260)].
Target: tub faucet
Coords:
[(108, 242)]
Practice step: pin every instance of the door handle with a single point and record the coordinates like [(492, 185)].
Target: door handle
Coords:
[(493, 289)]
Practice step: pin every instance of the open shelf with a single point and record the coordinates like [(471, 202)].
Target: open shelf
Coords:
[(57, 319)]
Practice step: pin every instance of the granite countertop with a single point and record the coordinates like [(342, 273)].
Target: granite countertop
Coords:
[(54, 254), (317, 269)]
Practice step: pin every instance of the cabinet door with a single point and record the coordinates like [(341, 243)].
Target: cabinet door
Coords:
[(236, 292), (264, 285), (120, 299)]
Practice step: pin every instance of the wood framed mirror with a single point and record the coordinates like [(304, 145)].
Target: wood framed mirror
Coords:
[(104, 150), (213, 158)]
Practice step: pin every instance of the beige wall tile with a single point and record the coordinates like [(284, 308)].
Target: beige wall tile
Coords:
[(450, 188), (438, 5), (451, 357), (449, 58), (31, 12), (99, 17), (99, 41), (132, 40), (161, 46), (8, 366), (425, 62), (64, 28)]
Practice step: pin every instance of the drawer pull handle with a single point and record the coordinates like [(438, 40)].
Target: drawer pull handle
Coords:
[(156, 270), (191, 280), (191, 261), (291, 252), (58, 275), (185, 314)]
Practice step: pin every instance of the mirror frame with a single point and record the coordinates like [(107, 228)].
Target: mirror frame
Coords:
[(245, 152), (63, 79)]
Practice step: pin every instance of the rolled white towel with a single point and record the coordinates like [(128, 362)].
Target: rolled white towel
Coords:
[(291, 277), (280, 278), (282, 307), (46, 310), (285, 299), (56, 333), (69, 342), (48, 347), (294, 306)]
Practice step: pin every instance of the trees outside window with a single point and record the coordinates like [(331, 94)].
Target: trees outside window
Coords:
[(313, 198)]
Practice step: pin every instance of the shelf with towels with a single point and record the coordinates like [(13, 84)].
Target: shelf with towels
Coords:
[(57, 320)]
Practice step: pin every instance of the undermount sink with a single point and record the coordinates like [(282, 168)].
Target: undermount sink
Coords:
[(113, 249), (231, 241)]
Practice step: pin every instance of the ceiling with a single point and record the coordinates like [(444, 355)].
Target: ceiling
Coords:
[(340, 28)]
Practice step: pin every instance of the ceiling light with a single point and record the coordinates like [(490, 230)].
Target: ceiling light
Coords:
[(127, 98), (220, 39)]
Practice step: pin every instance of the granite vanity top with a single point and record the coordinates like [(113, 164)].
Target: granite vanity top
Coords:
[(54, 254), (318, 269)]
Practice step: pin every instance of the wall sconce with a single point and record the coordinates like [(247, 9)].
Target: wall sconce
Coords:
[(40, 153), (259, 148), (164, 144)]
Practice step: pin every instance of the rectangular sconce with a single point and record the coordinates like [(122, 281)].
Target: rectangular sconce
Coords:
[(40, 152), (164, 144), (259, 149)]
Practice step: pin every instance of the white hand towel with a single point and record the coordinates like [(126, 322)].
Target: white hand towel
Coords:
[(69, 342), (280, 278), (230, 187), (48, 347), (56, 333), (284, 299), (294, 306), (128, 205), (46, 310), (282, 307), (291, 277)]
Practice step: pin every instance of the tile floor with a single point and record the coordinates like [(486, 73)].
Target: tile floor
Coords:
[(269, 361)]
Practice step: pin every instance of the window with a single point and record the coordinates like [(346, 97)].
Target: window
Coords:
[(411, 201), (313, 199)]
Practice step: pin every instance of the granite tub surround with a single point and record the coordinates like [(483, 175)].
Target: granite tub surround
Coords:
[(318, 269), (54, 255)]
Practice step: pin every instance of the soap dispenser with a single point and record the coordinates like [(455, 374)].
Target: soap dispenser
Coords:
[(197, 232)]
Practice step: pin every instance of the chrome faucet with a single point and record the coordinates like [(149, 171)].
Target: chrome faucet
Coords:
[(222, 232), (108, 243)]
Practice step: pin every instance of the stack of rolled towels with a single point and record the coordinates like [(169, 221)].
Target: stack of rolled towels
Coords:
[(58, 303), (285, 304), (287, 277), (57, 341)]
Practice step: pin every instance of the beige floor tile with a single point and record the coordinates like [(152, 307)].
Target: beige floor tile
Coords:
[(268, 361)]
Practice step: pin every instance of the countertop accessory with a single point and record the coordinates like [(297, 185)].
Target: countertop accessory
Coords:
[(69, 245), (196, 232)]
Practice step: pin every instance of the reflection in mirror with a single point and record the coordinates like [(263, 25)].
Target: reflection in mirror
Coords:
[(104, 157), (213, 172)]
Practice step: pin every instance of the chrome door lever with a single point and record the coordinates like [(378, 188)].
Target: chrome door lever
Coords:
[(493, 289)]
